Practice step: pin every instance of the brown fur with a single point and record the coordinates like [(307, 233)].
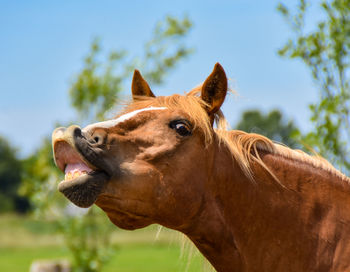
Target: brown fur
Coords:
[(243, 146), (247, 203)]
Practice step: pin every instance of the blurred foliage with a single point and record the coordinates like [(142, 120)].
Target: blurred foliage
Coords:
[(272, 125), (88, 238), (93, 93), (39, 181), (95, 89), (326, 52), (165, 49), (10, 179)]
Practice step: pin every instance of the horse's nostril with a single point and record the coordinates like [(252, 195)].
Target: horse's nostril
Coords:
[(97, 139)]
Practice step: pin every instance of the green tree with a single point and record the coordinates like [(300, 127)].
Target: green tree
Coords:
[(39, 181), (94, 91), (96, 88), (271, 125), (10, 178), (325, 49)]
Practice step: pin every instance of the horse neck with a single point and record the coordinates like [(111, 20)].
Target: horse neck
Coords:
[(212, 231), (248, 223)]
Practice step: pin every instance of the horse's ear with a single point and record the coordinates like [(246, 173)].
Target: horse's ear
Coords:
[(214, 89), (139, 86)]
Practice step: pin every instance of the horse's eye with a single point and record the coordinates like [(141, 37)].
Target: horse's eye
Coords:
[(181, 128)]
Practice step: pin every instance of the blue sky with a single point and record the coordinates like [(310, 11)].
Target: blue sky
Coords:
[(43, 43)]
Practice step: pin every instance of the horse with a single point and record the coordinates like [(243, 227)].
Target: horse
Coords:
[(247, 203)]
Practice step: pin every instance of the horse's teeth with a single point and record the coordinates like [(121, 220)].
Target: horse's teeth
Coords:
[(75, 174), (68, 176)]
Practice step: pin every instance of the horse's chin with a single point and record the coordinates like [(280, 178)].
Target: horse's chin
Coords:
[(128, 223), (122, 219), (84, 190)]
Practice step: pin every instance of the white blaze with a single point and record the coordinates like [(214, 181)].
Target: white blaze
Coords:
[(122, 118)]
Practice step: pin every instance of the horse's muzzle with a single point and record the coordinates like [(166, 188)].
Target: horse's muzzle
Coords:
[(71, 148)]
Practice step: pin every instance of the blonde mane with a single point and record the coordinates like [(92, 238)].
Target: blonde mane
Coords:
[(243, 146)]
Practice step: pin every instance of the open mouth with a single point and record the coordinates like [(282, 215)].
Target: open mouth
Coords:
[(73, 154)]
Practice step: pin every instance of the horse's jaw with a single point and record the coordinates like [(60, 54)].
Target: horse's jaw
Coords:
[(122, 218), (86, 174)]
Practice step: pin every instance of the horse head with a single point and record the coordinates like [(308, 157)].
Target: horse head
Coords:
[(150, 164)]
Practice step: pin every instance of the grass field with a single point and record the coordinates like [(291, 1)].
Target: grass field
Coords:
[(23, 240)]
